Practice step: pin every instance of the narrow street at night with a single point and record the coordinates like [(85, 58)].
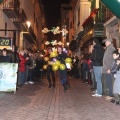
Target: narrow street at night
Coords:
[(38, 102)]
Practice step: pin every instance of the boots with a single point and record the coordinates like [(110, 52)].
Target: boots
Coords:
[(50, 85), (65, 87)]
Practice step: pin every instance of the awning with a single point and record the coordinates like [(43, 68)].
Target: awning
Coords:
[(29, 38), (113, 6), (79, 35), (73, 45), (1, 1)]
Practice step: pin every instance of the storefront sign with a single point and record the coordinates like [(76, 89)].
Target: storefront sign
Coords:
[(99, 33), (5, 43), (8, 76)]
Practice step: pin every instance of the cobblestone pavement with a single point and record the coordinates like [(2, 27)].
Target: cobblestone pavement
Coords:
[(38, 102)]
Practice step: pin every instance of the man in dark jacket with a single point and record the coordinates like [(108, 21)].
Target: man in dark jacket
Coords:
[(50, 73), (4, 57), (97, 61), (107, 62)]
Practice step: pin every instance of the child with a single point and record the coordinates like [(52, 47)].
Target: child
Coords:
[(116, 73)]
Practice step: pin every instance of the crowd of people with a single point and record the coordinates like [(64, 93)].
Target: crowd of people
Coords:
[(100, 68), (30, 64)]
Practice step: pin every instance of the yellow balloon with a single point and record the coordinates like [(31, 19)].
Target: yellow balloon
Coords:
[(53, 54), (46, 58), (57, 62), (62, 67), (44, 67), (68, 60), (55, 67)]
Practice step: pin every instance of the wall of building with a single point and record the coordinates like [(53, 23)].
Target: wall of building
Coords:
[(112, 30), (6, 23), (81, 13), (34, 15)]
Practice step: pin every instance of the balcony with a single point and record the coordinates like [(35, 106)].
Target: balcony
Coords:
[(97, 18), (11, 8), (20, 21)]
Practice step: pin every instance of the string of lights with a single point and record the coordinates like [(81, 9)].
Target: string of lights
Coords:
[(56, 30), (54, 42)]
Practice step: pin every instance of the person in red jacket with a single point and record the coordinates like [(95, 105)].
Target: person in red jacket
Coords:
[(22, 68)]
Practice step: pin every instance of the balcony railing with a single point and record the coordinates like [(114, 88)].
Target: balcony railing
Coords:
[(95, 17), (20, 22), (107, 13), (98, 16), (11, 8)]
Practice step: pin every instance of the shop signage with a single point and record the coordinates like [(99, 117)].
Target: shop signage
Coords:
[(5, 42), (98, 33)]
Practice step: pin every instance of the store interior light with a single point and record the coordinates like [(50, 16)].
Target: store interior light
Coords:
[(118, 0), (67, 43)]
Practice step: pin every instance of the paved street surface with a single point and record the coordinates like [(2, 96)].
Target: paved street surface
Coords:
[(38, 102)]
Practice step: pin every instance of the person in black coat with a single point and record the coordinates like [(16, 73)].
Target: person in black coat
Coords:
[(14, 55), (97, 61), (63, 73), (4, 57), (38, 68), (50, 73)]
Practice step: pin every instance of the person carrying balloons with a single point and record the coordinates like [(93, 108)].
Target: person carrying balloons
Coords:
[(48, 60), (62, 56)]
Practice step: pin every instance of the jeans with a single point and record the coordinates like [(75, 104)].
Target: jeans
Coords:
[(21, 78), (30, 75), (93, 79), (98, 78), (63, 76)]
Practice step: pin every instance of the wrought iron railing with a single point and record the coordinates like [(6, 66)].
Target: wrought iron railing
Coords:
[(100, 15), (13, 5), (107, 13)]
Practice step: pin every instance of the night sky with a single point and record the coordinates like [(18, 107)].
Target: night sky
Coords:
[(52, 12)]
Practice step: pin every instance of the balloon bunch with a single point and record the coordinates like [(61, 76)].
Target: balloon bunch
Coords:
[(56, 63)]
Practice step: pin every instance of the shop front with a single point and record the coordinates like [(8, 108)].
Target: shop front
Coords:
[(87, 39)]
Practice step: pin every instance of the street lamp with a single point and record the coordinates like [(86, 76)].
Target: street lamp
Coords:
[(67, 43), (28, 24)]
